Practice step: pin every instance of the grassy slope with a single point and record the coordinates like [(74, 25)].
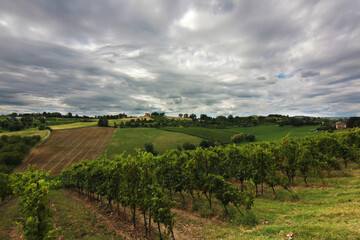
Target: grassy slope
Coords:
[(27, 132), (118, 121), (75, 220), (262, 133), (329, 212), (127, 139), (323, 212)]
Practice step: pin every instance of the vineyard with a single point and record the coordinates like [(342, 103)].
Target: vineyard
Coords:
[(234, 177), (66, 147)]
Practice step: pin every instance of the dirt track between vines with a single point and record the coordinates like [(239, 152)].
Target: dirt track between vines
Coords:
[(66, 147)]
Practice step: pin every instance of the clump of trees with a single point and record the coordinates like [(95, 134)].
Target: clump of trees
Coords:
[(353, 122), (242, 137), (13, 150), (103, 122)]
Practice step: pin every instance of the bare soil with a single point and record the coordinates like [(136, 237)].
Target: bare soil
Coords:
[(66, 147)]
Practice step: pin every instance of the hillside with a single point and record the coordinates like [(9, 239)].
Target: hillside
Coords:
[(128, 139), (323, 212), (65, 147)]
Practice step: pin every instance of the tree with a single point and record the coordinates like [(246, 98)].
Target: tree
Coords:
[(103, 122), (353, 122), (188, 146), (180, 115), (149, 147)]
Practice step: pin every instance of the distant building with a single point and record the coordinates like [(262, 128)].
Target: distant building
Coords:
[(340, 125), (147, 114)]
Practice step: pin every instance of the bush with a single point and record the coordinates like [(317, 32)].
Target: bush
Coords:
[(206, 144), (241, 137), (11, 158), (149, 147), (5, 189), (189, 146), (42, 127), (238, 138), (249, 137)]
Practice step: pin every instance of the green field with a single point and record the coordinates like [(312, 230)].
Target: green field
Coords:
[(262, 133), (74, 125), (127, 139), (61, 121), (27, 132)]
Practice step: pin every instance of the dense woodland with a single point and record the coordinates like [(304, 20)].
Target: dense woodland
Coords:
[(13, 150)]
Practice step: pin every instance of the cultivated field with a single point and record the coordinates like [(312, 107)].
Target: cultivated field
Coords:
[(262, 133), (74, 125), (66, 147), (111, 121), (127, 139)]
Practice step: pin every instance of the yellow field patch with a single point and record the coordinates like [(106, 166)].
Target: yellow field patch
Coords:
[(74, 125)]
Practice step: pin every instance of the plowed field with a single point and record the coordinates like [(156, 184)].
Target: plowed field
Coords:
[(66, 147)]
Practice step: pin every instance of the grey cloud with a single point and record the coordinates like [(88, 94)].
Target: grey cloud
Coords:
[(306, 74), (212, 57)]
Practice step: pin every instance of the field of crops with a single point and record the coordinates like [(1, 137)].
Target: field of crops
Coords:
[(127, 139), (74, 125), (66, 147), (111, 121), (262, 133)]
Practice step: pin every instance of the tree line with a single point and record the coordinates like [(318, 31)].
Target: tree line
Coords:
[(13, 150)]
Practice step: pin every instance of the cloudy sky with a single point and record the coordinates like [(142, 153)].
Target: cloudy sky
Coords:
[(205, 56)]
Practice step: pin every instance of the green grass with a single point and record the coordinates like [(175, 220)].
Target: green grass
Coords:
[(27, 132), (323, 212), (262, 133), (222, 135), (77, 221), (272, 132), (62, 121), (9, 214), (127, 139), (74, 125)]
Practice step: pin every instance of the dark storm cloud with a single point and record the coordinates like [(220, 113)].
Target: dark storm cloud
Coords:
[(214, 57)]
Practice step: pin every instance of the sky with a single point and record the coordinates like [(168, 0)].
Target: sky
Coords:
[(216, 57)]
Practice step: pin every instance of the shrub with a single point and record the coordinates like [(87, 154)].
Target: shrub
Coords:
[(149, 147), (241, 137), (238, 138), (206, 144), (189, 146)]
